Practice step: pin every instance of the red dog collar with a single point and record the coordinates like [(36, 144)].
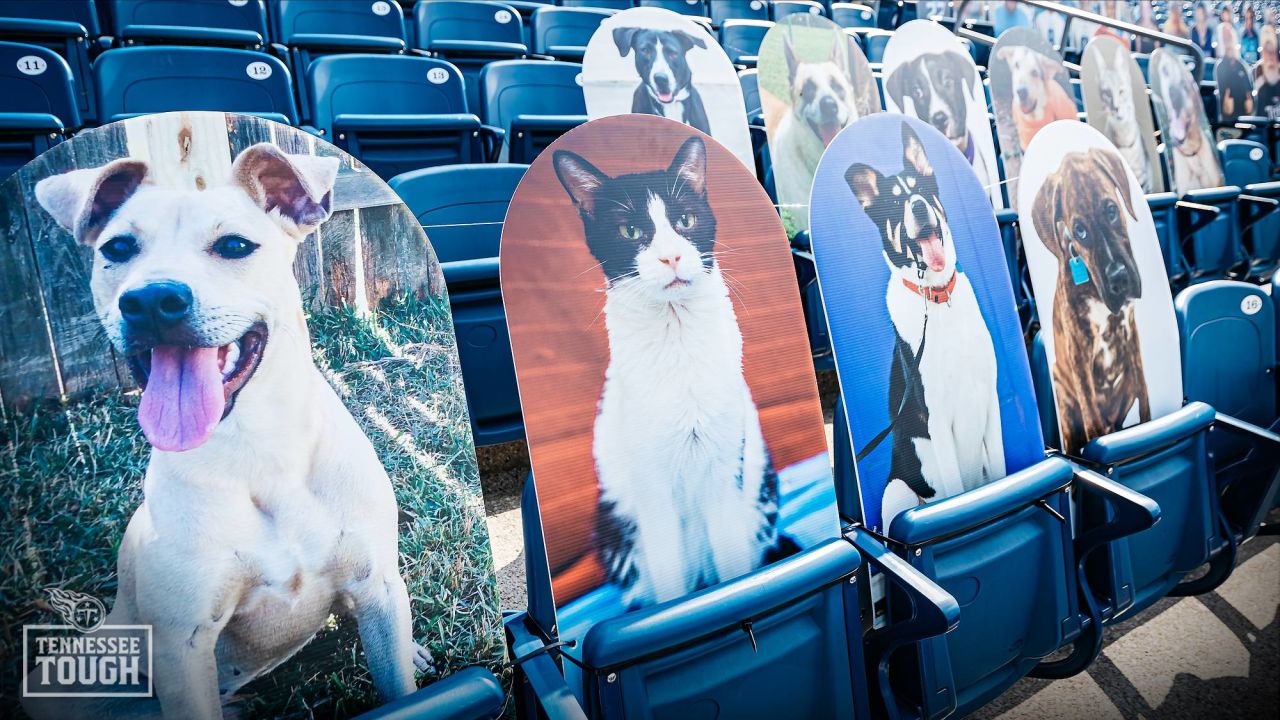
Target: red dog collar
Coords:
[(934, 294)]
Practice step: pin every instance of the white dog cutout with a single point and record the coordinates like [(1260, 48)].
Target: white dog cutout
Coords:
[(265, 506)]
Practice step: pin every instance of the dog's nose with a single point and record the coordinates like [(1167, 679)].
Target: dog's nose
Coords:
[(1022, 93), (828, 106), (1118, 277), (939, 120), (661, 81), (157, 305)]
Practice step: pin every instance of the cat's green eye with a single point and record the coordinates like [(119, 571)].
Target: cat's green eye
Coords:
[(630, 232), (686, 221)]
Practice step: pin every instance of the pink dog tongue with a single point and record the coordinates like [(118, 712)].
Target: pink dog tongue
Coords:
[(183, 400), (934, 257)]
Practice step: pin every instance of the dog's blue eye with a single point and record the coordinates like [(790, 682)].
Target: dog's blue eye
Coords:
[(234, 247), (120, 248)]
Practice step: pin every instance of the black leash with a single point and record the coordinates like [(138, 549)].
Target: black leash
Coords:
[(879, 438)]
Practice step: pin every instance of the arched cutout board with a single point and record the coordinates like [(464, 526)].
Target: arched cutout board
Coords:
[(651, 384), (1106, 313), (1115, 99), (930, 75), (691, 80), (1234, 78), (1030, 88), (332, 468), (1266, 75), (928, 346), (814, 80), (1189, 148)]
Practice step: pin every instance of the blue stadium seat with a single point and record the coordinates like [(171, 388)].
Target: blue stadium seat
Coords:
[(782, 8), (1247, 165), (469, 35), (67, 27), (395, 113), (462, 208), (741, 40), (190, 22), (695, 8), (472, 693), (533, 102), (1240, 384), (40, 103), (614, 5), (873, 44), (1211, 240), (1007, 220), (1164, 212), (137, 80), (722, 10), (563, 33), (852, 15), (304, 30)]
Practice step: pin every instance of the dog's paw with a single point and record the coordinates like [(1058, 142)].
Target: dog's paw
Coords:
[(422, 659)]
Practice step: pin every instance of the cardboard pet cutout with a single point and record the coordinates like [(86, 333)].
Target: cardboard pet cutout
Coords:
[(1106, 313), (927, 344), (672, 416), (1189, 149), (814, 80), (930, 75), (1030, 88), (288, 514), (1116, 101), (653, 61)]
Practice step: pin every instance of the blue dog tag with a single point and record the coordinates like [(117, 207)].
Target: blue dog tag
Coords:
[(1079, 271)]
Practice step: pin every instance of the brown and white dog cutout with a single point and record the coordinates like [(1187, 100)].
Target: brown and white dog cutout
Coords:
[(265, 505)]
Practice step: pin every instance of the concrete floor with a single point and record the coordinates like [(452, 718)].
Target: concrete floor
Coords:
[(1214, 656)]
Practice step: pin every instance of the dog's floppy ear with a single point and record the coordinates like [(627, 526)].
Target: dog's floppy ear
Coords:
[(1006, 53), (623, 37), (580, 179), (298, 188), (864, 181), (896, 85), (690, 164), (688, 41), (913, 154), (1045, 210), (1113, 167), (83, 200)]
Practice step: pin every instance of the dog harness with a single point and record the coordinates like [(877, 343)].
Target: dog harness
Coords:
[(934, 293)]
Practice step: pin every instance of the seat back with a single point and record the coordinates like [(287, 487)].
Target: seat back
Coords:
[(874, 42), (723, 10), (919, 55), (612, 83), (376, 353), (382, 85), (930, 455), (132, 81), (1019, 61), (741, 39), (65, 28), (782, 8), (80, 12), (695, 8), (475, 21), (250, 16), (1246, 163), (463, 207), (35, 79), (657, 600), (515, 93), (1188, 140), (564, 32), (1116, 102), (853, 15), (336, 17)]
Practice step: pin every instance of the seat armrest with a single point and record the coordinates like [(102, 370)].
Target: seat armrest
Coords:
[(464, 272), (1254, 208), (554, 697), (1248, 430), (1132, 511), (663, 628), (41, 122), (947, 517), (316, 41), (469, 694), (485, 48), (546, 122), (42, 28), (1194, 216), (273, 116), (197, 35), (936, 611), (421, 123), (1150, 436)]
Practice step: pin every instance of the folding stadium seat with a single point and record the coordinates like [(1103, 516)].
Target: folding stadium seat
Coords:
[(469, 34), (723, 10), (304, 30), (190, 22), (69, 28), (874, 42), (1169, 214), (695, 8), (533, 102), (741, 40), (782, 8), (40, 103), (851, 15), (138, 80), (395, 113), (1247, 165), (462, 207), (563, 33), (614, 5)]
